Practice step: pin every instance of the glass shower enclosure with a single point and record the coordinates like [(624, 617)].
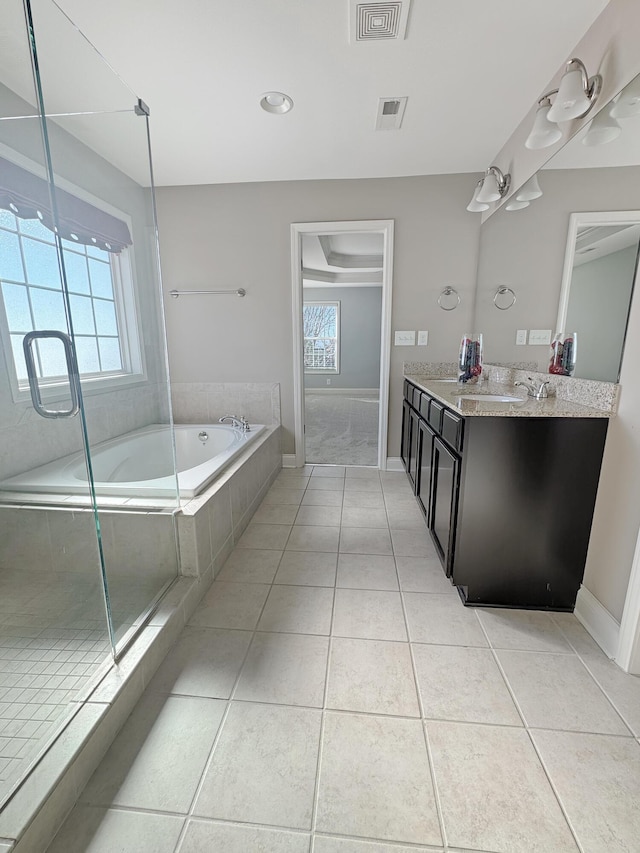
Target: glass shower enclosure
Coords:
[(86, 550)]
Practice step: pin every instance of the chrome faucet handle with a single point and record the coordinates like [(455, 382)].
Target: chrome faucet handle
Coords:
[(246, 426), (542, 391)]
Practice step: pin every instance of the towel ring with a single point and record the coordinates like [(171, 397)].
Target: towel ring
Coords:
[(501, 291), (449, 291)]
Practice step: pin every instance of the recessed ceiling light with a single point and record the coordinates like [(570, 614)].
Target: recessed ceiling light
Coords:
[(276, 102)]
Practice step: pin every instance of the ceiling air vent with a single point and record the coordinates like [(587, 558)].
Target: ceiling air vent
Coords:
[(379, 19), (390, 113)]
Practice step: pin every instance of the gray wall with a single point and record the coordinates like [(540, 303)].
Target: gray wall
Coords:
[(235, 235), (359, 336), (598, 309)]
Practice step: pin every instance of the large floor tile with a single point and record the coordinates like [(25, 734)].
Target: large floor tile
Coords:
[(375, 780), (371, 676), (326, 844), (362, 500), (367, 571), (529, 630), (557, 692), (329, 471), (282, 496), (597, 778), (313, 538), (231, 605), (264, 766), (271, 536), (287, 480), (269, 513), (157, 759), (89, 829), (463, 684), (442, 619), (328, 516), (298, 610), (203, 836), (246, 565), (412, 543), (405, 518), (423, 574), (326, 484), (368, 615), (204, 662), (353, 472), (307, 568), (318, 497), (362, 484), (364, 517), (493, 791), (287, 669), (365, 540)]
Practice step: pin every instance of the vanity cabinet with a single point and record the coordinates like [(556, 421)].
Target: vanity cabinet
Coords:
[(508, 500)]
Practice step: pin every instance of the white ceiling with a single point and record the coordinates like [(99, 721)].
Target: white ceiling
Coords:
[(470, 68)]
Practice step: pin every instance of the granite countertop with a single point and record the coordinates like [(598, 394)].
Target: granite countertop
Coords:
[(453, 395)]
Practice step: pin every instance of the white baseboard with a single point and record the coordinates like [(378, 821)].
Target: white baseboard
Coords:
[(371, 392), (394, 463), (604, 629), (288, 460)]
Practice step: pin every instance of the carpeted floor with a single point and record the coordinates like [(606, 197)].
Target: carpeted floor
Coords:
[(341, 429)]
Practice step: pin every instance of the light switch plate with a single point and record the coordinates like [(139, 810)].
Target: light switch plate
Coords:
[(521, 337), (405, 339), (423, 339), (540, 336)]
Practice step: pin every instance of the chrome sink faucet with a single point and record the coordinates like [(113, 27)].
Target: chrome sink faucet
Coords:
[(240, 423), (540, 394)]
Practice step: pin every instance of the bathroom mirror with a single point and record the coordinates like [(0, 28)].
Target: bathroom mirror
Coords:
[(531, 249)]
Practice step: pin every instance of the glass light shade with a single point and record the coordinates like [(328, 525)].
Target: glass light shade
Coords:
[(489, 190), (517, 205), (543, 133), (571, 101), (474, 205), (603, 129), (530, 190), (628, 104)]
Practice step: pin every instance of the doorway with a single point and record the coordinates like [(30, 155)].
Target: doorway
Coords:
[(341, 275)]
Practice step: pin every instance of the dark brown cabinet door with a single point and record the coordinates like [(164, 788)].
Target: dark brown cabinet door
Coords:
[(444, 501), (425, 447)]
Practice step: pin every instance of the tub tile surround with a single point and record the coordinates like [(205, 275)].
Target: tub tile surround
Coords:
[(206, 402), (209, 526), (501, 378), (340, 739)]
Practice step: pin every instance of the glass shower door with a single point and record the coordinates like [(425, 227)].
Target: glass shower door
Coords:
[(98, 139), (54, 632)]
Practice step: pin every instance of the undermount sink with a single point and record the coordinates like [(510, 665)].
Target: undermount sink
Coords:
[(492, 398)]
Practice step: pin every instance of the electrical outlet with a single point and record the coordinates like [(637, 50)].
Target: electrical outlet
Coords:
[(521, 337), (540, 336), (423, 339), (405, 339), (328, 382)]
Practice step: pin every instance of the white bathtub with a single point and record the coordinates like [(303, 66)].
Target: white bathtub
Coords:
[(140, 463)]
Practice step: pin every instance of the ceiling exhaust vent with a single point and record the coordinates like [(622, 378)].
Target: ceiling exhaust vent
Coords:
[(390, 113), (379, 19)]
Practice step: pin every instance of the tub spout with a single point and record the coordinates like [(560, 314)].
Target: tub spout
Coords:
[(240, 423)]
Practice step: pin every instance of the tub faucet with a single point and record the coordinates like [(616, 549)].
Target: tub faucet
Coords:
[(540, 394), (240, 423)]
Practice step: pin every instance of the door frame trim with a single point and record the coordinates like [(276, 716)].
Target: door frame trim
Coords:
[(298, 229)]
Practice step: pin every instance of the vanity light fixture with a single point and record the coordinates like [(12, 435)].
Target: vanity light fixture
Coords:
[(495, 185), (529, 191), (604, 128), (628, 102), (276, 102), (573, 99), (517, 205), (474, 205)]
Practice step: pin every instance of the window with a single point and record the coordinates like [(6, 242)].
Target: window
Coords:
[(321, 321)]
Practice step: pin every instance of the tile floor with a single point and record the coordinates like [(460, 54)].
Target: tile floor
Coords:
[(331, 694)]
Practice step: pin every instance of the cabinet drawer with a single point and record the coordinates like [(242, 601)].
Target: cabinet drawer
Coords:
[(452, 429), (408, 391), (424, 407), (435, 415)]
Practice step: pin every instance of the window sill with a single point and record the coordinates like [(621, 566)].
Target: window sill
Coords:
[(90, 386)]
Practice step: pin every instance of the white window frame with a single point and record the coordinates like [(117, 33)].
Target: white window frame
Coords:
[(126, 305), (330, 371)]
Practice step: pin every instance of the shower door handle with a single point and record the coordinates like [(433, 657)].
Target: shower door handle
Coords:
[(32, 373)]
